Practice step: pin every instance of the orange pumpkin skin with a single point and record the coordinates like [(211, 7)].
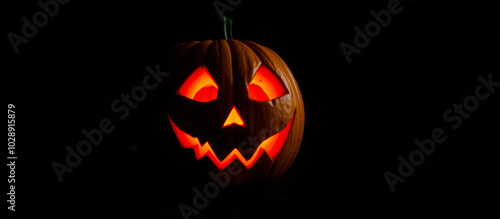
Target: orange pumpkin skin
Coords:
[(232, 65)]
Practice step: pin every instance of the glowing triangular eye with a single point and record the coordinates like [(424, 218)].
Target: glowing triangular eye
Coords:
[(200, 86), (265, 86)]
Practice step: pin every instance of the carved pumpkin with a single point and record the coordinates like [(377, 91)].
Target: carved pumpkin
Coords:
[(224, 94)]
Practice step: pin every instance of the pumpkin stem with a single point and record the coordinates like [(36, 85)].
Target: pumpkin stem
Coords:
[(225, 21)]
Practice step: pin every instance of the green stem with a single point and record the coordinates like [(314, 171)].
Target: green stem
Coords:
[(225, 21)]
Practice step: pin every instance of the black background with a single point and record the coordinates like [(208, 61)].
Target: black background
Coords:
[(359, 117)]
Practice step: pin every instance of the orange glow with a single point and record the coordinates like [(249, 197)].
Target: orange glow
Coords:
[(234, 118), (272, 146), (265, 86), (200, 86)]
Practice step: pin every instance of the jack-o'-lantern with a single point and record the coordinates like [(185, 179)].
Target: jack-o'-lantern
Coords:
[(223, 93)]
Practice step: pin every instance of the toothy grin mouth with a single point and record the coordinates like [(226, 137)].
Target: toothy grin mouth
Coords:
[(272, 146)]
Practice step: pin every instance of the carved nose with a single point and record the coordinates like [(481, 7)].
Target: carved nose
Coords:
[(233, 118)]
